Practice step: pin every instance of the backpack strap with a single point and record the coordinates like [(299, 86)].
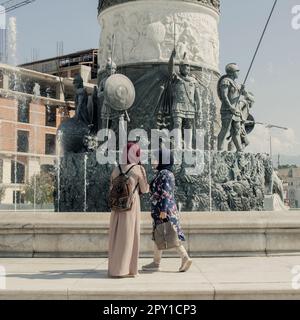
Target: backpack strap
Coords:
[(130, 169), (135, 188), (121, 172), (119, 166), (127, 170)]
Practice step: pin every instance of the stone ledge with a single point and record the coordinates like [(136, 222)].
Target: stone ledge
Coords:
[(208, 234), (224, 292)]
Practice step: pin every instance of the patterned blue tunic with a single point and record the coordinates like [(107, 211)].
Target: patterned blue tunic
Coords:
[(162, 200)]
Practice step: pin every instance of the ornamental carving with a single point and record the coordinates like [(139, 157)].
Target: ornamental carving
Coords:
[(145, 34)]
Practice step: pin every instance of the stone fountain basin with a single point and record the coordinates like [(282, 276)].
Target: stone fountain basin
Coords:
[(28, 234)]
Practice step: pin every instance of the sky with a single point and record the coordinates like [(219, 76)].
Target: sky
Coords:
[(274, 79)]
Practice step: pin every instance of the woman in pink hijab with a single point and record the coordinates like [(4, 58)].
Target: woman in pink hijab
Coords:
[(124, 233)]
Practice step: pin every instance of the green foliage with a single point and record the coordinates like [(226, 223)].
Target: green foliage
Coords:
[(40, 189)]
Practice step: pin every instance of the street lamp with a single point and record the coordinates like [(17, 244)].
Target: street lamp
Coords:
[(269, 127)]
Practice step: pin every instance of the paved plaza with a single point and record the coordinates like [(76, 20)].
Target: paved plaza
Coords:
[(208, 278)]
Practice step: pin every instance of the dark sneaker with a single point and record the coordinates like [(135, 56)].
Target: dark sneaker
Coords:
[(151, 267)]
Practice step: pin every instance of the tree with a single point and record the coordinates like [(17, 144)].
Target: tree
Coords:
[(40, 189)]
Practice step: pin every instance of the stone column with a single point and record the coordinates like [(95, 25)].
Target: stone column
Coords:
[(144, 39), (5, 81), (6, 170), (8, 198), (59, 92)]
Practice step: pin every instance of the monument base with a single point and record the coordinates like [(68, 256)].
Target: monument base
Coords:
[(223, 181)]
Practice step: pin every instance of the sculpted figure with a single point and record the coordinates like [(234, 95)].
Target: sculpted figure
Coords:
[(100, 4), (231, 95), (107, 114), (245, 122), (81, 101), (186, 104)]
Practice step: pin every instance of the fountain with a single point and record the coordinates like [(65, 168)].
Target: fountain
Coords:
[(12, 55), (140, 38), (85, 182)]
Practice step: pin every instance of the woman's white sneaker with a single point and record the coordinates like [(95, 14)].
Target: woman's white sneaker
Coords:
[(186, 264)]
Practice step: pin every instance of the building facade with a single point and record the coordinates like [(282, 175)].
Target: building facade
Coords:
[(291, 179), (32, 106), (66, 66)]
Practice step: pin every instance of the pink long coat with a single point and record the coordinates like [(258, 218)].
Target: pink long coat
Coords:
[(124, 233)]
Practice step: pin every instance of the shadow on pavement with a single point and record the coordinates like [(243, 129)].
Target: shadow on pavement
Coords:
[(65, 274)]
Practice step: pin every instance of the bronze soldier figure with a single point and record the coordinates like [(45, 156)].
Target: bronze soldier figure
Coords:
[(245, 122), (186, 104), (107, 114), (81, 101), (230, 92)]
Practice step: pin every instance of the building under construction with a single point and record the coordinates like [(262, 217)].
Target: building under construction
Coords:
[(32, 106), (84, 63)]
